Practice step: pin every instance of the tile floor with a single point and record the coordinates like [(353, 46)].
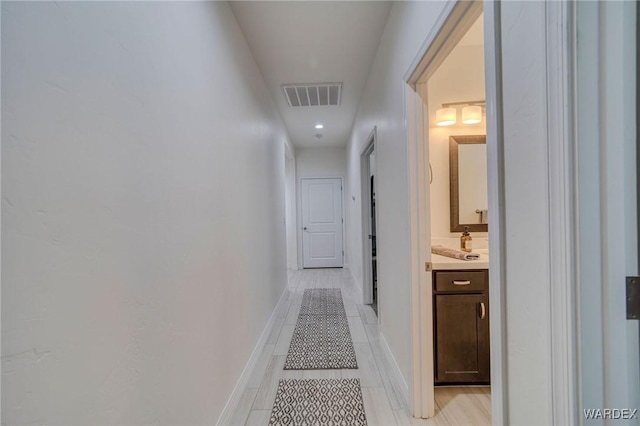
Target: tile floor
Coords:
[(381, 397)]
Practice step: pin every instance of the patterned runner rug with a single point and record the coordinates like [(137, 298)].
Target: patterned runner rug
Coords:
[(321, 338), (329, 402)]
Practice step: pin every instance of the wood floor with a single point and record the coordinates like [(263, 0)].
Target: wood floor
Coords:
[(382, 403)]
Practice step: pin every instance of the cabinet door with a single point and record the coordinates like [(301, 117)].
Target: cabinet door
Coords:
[(462, 338)]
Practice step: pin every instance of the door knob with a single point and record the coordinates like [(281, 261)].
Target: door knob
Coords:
[(305, 228)]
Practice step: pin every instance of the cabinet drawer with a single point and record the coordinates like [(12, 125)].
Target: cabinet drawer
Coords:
[(460, 281)]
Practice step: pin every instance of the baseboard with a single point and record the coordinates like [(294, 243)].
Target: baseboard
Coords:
[(234, 399), (395, 373)]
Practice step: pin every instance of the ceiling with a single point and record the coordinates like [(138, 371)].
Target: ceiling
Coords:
[(314, 42)]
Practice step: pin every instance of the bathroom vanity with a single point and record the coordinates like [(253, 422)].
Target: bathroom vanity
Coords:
[(461, 320)]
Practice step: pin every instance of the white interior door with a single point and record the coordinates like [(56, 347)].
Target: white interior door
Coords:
[(321, 201), (608, 216)]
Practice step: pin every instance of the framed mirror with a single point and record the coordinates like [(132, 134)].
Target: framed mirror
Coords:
[(468, 183)]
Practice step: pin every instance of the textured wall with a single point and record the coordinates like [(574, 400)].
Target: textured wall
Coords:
[(143, 213)]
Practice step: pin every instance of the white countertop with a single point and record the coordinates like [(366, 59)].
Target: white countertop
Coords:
[(449, 263)]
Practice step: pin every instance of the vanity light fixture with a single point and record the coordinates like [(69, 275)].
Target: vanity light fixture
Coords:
[(446, 116), (471, 113)]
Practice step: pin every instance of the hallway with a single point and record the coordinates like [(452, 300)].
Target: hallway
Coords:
[(154, 156), (381, 396)]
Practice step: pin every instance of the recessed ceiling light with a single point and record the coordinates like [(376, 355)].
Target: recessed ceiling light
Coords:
[(319, 126)]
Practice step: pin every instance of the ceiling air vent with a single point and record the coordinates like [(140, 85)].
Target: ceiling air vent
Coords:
[(313, 94)]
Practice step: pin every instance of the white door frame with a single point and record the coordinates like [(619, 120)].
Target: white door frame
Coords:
[(559, 46), (560, 42), (365, 199), (299, 215), (421, 391), (291, 215)]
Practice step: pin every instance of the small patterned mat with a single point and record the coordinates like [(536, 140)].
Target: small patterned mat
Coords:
[(328, 402), (321, 339)]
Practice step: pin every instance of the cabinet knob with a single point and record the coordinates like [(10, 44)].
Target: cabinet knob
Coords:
[(456, 282), (483, 311)]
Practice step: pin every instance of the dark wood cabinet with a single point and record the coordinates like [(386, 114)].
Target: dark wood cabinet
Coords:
[(461, 321)]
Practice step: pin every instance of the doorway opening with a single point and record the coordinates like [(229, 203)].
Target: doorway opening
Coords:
[(368, 188), (456, 133), (372, 235), (450, 193)]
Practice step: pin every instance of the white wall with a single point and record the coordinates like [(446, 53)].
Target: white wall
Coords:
[(321, 162), (130, 190), (459, 78), (382, 105)]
